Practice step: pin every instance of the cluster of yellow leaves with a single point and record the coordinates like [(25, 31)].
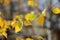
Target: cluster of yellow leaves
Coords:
[(4, 24), (16, 24), (31, 16)]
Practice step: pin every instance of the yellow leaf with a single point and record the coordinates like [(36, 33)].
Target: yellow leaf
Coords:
[(1, 22), (4, 31), (13, 24), (29, 39), (17, 29), (40, 37), (5, 22), (40, 20), (56, 10), (1, 31), (5, 34), (30, 2), (26, 23), (30, 16), (16, 26)]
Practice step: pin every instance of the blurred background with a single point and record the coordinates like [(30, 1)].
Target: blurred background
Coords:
[(30, 19)]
